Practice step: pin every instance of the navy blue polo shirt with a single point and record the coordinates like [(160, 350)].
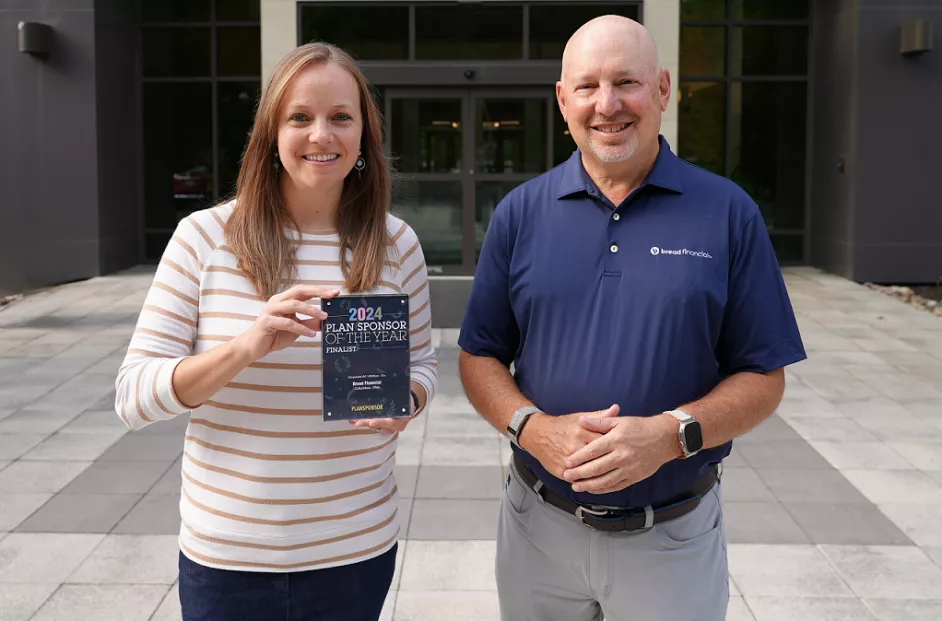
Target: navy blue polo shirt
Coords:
[(648, 304)]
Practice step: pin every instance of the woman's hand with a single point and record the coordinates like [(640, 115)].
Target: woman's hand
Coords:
[(278, 325), (389, 425)]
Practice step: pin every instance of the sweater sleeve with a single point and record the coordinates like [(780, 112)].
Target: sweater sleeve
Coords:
[(165, 332), (424, 367)]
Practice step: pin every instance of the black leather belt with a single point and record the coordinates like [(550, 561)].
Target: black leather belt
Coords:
[(615, 519)]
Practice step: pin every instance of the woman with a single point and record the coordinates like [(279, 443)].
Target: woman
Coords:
[(284, 515)]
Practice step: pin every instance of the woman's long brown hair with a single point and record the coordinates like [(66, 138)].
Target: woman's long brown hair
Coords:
[(256, 229)]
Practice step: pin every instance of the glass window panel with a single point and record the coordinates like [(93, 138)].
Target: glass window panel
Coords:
[(563, 144), (702, 51), (178, 151), (384, 35), (238, 10), (426, 135), (769, 9), (177, 10), (701, 140), (789, 248), (433, 210), (240, 51), (769, 50), (235, 115), (767, 144), (511, 135), (487, 195), (703, 9), (176, 52), (551, 25), (479, 32)]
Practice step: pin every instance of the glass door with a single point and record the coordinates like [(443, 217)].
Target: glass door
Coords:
[(457, 153)]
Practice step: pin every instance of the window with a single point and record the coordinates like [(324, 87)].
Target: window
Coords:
[(367, 31), (742, 104), (201, 74), (551, 24)]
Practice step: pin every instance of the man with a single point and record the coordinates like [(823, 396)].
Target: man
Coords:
[(639, 300)]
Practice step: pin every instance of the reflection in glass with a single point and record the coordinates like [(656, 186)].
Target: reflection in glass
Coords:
[(238, 51), (433, 210), (468, 32), (177, 10), (488, 195), (767, 145), (769, 50), (384, 35), (551, 25), (237, 10), (703, 9), (511, 135), (235, 114), (426, 135), (768, 9), (178, 157), (702, 51), (176, 52), (563, 144), (701, 109)]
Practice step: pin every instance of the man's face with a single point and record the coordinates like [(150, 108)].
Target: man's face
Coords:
[(612, 97)]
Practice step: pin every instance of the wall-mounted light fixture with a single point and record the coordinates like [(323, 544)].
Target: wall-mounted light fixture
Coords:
[(35, 38), (915, 37)]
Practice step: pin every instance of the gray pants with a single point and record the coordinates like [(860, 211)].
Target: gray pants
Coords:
[(551, 567)]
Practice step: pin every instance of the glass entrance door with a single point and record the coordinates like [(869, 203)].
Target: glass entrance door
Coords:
[(458, 152)]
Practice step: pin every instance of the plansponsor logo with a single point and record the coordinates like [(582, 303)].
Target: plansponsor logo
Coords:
[(681, 252)]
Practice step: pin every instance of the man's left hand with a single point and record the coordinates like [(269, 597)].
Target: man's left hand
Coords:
[(630, 449)]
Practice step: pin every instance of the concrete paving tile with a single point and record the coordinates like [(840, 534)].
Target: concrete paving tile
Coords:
[(169, 609), (842, 429), (389, 607), (738, 611), (176, 427), (895, 486), (808, 609), (4, 464), (80, 513), (40, 476), (406, 478), (461, 606), (905, 610), (130, 559), (920, 522), (453, 403), (118, 477), (134, 447), (96, 421), (861, 455), (453, 519), (14, 445), (405, 515), (733, 460), (73, 447), (846, 523), (790, 485), (16, 507), (460, 482), (461, 451), (171, 481), (935, 554), (32, 420), (784, 454), (449, 566), (409, 450), (784, 571), (18, 602), (46, 558), (102, 603), (886, 572), (155, 514), (459, 426), (761, 522), (922, 455), (834, 387), (771, 429)]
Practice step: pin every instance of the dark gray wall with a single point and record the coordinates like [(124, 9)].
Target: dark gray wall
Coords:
[(898, 223), (833, 86), (54, 120)]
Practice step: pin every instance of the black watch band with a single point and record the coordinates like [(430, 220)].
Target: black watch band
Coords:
[(415, 402)]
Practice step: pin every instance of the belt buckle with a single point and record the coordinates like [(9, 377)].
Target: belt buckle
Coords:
[(581, 511)]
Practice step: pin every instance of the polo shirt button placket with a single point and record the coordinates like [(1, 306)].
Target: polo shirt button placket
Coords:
[(616, 217), (613, 248)]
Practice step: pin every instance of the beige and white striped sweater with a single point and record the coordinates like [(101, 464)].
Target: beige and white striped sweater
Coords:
[(268, 485)]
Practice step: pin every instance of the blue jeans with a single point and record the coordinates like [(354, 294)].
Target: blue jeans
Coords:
[(354, 592)]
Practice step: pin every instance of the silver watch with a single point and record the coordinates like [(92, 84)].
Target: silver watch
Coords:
[(518, 420)]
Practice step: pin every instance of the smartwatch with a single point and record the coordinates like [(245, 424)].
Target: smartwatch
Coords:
[(690, 434), (518, 420)]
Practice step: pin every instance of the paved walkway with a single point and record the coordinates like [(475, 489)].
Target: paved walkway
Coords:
[(833, 506)]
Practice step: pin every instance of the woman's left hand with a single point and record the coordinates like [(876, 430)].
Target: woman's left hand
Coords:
[(387, 425)]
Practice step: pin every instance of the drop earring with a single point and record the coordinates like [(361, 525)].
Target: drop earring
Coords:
[(360, 164), (275, 161)]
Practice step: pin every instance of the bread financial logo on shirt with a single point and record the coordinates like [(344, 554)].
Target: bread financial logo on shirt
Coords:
[(681, 252)]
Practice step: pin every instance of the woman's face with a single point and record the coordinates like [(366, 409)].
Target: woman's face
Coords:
[(319, 127)]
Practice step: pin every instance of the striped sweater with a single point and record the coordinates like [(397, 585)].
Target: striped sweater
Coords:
[(267, 484)]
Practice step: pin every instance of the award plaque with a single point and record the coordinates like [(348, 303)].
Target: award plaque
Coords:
[(366, 348)]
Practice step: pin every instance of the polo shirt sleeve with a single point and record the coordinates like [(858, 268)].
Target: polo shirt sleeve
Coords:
[(489, 327), (759, 332)]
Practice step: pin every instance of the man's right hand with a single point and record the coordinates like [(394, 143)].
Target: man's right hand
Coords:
[(552, 439)]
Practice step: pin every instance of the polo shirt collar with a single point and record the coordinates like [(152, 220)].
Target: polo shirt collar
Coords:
[(664, 174)]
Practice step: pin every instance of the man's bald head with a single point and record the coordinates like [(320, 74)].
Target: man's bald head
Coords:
[(609, 31)]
